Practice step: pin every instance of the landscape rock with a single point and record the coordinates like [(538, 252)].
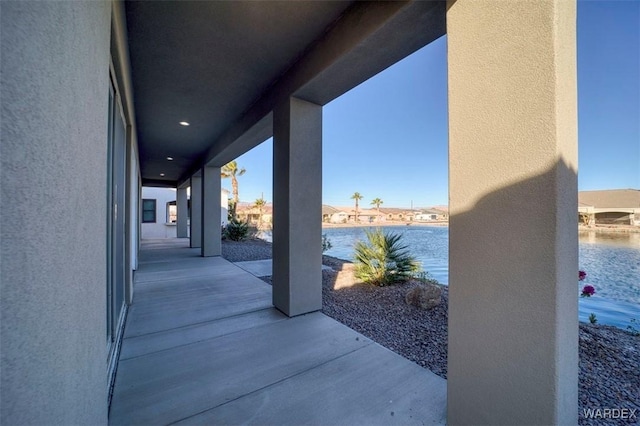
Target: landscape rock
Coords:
[(424, 296)]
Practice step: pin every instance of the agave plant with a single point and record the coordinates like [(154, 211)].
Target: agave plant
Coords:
[(236, 230), (383, 260)]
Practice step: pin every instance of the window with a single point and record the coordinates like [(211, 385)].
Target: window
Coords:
[(148, 211), (172, 212)]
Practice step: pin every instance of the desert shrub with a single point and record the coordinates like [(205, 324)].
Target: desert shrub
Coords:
[(326, 243), (383, 260), (423, 277), (231, 211), (252, 232), (236, 230)]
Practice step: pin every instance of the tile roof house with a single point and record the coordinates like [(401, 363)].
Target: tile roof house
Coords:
[(327, 212), (611, 198), (611, 207), (392, 213), (253, 214)]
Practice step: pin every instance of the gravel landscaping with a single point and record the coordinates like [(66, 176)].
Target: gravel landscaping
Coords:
[(609, 376), (240, 251)]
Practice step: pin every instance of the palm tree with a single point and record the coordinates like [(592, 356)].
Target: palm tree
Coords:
[(230, 170), (377, 202), (384, 259), (260, 203), (356, 196)]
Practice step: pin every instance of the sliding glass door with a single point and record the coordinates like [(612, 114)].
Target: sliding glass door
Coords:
[(116, 218)]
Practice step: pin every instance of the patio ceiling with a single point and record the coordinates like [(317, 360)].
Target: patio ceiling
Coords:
[(223, 66)]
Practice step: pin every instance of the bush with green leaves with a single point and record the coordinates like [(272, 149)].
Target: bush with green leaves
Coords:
[(383, 260), (326, 243), (424, 277), (236, 230), (231, 211)]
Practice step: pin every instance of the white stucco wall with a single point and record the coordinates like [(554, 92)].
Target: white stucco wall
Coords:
[(161, 228), (339, 217), (54, 76), (224, 206)]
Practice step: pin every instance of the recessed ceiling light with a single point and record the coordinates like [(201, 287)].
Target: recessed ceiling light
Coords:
[(170, 158), (162, 174), (184, 123)]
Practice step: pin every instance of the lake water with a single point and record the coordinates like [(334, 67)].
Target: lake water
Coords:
[(612, 263)]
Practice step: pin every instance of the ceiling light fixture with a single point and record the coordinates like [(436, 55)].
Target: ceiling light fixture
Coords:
[(184, 123), (170, 158), (162, 174)]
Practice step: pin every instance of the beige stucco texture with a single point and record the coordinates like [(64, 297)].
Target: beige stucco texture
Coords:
[(513, 186)]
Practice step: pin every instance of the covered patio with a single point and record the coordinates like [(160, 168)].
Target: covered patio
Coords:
[(204, 345), (104, 97), (266, 69)]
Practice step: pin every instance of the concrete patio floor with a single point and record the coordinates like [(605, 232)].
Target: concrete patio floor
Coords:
[(264, 268), (204, 345)]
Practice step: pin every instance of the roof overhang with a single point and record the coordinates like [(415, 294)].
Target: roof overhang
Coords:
[(224, 66)]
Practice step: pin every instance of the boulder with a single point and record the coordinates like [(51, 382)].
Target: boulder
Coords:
[(424, 296)]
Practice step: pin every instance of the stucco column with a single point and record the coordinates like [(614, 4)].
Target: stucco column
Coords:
[(195, 233), (297, 185), (513, 292), (211, 187), (182, 207)]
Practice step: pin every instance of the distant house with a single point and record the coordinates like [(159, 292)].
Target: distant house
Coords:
[(252, 214), (339, 216), (367, 215), (609, 207), (327, 212), (348, 214), (431, 214), (395, 214), (427, 215), (442, 212)]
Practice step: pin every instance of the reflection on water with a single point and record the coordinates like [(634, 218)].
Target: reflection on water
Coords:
[(618, 239), (612, 263), (429, 244)]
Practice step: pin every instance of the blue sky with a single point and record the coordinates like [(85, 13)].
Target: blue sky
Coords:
[(387, 138)]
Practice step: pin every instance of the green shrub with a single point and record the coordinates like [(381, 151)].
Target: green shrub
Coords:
[(231, 211), (326, 243), (383, 260), (236, 230), (423, 277)]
